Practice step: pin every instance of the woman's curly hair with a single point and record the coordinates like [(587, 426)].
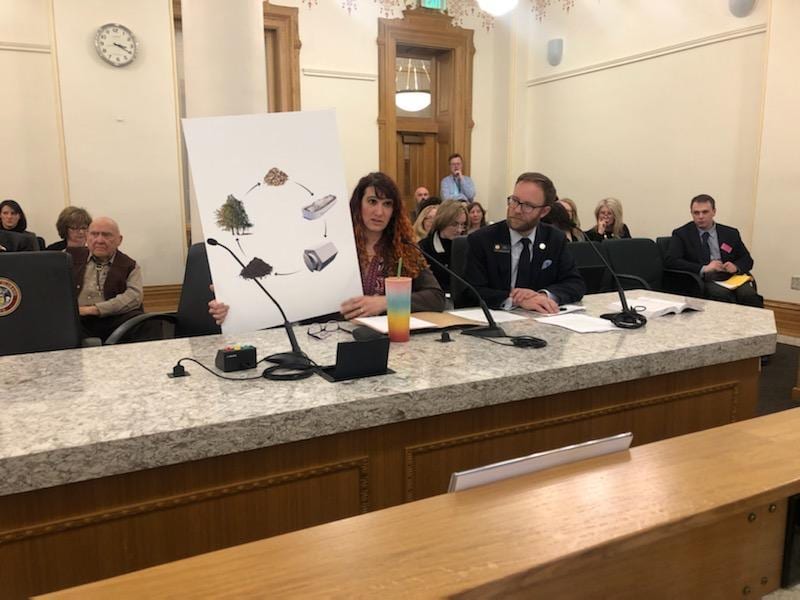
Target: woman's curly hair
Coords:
[(397, 240)]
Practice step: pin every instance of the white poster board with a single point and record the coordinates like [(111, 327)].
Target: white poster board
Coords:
[(271, 188)]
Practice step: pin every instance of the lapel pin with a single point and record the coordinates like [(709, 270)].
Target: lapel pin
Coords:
[(496, 247), (542, 246)]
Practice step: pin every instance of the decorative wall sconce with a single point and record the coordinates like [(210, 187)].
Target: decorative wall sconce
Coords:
[(555, 51)]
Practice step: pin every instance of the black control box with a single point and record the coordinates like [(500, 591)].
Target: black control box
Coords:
[(236, 358)]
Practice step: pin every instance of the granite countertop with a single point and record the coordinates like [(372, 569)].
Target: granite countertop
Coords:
[(72, 415)]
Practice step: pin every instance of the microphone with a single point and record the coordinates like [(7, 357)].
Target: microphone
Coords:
[(492, 330), (627, 318), (296, 359)]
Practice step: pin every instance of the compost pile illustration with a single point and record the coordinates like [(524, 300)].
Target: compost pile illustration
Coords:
[(232, 217)]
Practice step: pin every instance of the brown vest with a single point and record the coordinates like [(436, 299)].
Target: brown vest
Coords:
[(117, 279)]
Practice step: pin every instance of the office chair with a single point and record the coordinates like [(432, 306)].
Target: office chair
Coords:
[(38, 308), (459, 294), (591, 267), (638, 262), (192, 316), (14, 241)]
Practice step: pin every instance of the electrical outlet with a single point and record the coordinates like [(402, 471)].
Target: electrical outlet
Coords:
[(796, 283)]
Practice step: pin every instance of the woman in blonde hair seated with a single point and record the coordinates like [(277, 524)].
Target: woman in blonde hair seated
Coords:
[(451, 222), (424, 221), (608, 214)]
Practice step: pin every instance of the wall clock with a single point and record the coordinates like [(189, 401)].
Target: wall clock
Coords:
[(115, 44)]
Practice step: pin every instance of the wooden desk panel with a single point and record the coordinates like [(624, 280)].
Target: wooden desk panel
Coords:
[(699, 516), (132, 521)]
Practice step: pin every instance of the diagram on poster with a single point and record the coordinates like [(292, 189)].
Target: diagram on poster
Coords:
[(271, 189)]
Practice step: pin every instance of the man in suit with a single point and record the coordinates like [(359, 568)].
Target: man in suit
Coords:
[(520, 261), (457, 186), (109, 282), (714, 251)]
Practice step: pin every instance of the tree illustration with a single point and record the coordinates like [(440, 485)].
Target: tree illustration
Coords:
[(232, 216)]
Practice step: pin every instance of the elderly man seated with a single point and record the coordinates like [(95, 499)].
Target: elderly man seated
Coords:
[(109, 282)]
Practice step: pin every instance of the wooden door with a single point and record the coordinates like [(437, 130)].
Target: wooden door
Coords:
[(416, 165)]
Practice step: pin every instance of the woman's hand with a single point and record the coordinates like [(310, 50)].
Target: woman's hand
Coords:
[(363, 306), (218, 310)]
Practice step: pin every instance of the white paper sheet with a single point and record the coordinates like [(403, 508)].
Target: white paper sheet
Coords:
[(381, 323), (581, 323), (562, 310), (476, 314), (656, 307)]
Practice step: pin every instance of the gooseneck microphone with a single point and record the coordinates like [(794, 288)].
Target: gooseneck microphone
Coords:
[(627, 318), (296, 360), (492, 330)]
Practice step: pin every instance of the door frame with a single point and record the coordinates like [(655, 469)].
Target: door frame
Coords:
[(426, 29)]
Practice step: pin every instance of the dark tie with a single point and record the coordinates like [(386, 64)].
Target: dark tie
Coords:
[(524, 266), (705, 248)]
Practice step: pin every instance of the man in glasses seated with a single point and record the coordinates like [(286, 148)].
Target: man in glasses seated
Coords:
[(521, 261)]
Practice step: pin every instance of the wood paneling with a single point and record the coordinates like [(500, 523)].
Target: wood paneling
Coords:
[(787, 317), (162, 298), (281, 31), (70, 534), (422, 28), (698, 516)]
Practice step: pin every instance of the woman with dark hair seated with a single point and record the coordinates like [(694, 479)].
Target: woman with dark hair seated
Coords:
[(383, 237), (477, 216), (72, 225), (450, 222), (12, 217)]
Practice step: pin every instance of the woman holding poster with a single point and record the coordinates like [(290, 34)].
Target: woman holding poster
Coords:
[(384, 240)]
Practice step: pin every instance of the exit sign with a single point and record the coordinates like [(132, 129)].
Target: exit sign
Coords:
[(433, 4)]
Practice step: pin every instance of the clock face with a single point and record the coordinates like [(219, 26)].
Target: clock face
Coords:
[(115, 44)]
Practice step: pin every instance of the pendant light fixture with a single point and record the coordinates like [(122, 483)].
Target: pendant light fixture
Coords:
[(414, 94)]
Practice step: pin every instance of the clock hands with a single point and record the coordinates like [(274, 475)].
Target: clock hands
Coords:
[(118, 45)]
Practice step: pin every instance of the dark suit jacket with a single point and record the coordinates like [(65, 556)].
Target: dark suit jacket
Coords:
[(684, 249), (489, 264)]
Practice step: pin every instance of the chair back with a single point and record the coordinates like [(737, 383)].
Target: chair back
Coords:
[(38, 308), (591, 267), (636, 256), (459, 293), (663, 247), (192, 316), (13, 241)]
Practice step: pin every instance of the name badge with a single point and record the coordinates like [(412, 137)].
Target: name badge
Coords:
[(502, 248), (725, 248)]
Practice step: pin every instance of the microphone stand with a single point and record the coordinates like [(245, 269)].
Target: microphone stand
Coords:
[(492, 330), (294, 360), (627, 318)]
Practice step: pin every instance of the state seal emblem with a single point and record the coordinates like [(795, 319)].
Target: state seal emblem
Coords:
[(10, 296)]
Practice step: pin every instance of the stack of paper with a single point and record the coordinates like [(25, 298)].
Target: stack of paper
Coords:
[(580, 323), (656, 307), (734, 282)]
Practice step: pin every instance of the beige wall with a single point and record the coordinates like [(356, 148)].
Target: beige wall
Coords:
[(653, 103), (777, 209), (120, 127), (30, 151)]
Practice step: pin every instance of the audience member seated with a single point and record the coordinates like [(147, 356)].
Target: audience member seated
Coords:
[(424, 221), (420, 195), (383, 236), (109, 283), (12, 218), (608, 214), (457, 186), (575, 233), (477, 216), (450, 222), (559, 218), (520, 261), (72, 225), (714, 251), (12, 241)]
